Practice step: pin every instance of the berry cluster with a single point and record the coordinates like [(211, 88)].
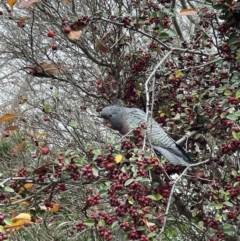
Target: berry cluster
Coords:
[(48, 203), (3, 236), (80, 226), (233, 146), (94, 200), (106, 234), (87, 172)]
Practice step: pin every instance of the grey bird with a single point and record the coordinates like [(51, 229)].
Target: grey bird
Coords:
[(125, 119)]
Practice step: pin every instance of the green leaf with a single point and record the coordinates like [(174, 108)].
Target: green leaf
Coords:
[(232, 117), (227, 92), (9, 189), (228, 229), (228, 204), (237, 113), (236, 135), (211, 232), (179, 96), (221, 89), (218, 217), (234, 173), (95, 171), (134, 170), (129, 181), (1, 228), (200, 224), (46, 108), (234, 40), (116, 11), (89, 223), (101, 223), (124, 169), (103, 192), (155, 197), (141, 228), (184, 105), (96, 152), (7, 221), (163, 35), (115, 226), (219, 206), (73, 123), (150, 235), (218, 6)]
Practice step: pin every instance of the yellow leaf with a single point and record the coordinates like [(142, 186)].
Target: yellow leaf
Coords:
[(12, 128), (19, 221), (25, 203), (55, 208), (238, 56), (164, 111), (25, 186), (18, 148), (138, 93), (25, 216), (187, 11), (11, 2), (7, 118), (178, 73), (118, 158), (131, 200)]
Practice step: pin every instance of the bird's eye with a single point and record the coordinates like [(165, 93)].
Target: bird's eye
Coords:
[(110, 116)]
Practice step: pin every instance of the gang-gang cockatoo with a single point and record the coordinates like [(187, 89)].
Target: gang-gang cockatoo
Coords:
[(124, 119)]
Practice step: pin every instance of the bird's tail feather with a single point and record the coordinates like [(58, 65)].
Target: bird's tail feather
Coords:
[(171, 157), (185, 155)]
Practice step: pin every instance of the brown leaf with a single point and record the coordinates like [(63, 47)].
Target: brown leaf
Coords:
[(21, 21), (18, 148), (187, 11), (12, 128), (11, 3), (7, 118), (102, 47), (74, 35), (45, 70), (25, 187), (26, 4), (76, 26), (41, 170), (55, 208)]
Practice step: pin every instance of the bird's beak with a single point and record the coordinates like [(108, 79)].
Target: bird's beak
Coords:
[(107, 123)]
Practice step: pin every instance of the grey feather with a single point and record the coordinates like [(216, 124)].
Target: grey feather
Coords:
[(124, 119)]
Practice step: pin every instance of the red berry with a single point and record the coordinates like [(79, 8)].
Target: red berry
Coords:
[(67, 29), (46, 118), (98, 81), (45, 150), (54, 47), (6, 134), (50, 34)]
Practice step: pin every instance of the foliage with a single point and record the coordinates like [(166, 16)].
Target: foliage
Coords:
[(63, 175)]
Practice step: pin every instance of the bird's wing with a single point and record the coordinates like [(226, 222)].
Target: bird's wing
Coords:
[(170, 156)]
